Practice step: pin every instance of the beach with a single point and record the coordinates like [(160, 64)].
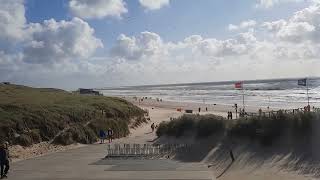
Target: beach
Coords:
[(205, 108)]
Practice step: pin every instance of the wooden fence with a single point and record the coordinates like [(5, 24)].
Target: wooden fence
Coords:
[(145, 150)]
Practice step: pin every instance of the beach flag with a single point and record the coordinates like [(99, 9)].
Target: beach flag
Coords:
[(238, 85), (302, 82)]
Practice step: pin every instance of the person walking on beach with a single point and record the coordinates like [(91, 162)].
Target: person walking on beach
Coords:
[(231, 115), (206, 108), (231, 155), (152, 127), (4, 159), (110, 135), (199, 109), (102, 135)]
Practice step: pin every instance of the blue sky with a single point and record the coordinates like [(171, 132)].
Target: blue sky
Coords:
[(97, 43), (180, 19)]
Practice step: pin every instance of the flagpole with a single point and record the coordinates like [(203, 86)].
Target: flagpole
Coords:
[(243, 96), (307, 91)]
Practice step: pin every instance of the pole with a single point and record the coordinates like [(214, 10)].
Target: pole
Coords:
[(243, 98), (307, 91)]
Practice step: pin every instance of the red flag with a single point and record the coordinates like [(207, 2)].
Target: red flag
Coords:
[(238, 85)]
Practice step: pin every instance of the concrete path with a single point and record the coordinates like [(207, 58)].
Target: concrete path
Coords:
[(87, 163)]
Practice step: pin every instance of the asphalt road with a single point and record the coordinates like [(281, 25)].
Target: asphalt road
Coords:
[(88, 163)]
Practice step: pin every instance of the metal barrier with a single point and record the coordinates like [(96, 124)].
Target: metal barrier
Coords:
[(145, 150)]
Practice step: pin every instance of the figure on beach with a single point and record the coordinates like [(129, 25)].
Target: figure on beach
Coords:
[(102, 135), (229, 115), (110, 135), (206, 108), (231, 155), (4, 159), (152, 127), (199, 109)]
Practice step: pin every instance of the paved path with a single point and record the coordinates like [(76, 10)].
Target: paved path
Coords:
[(87, 163)]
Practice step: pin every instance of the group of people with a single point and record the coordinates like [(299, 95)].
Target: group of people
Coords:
[(229, 115), (153, 127), (4, 159), (106, 135), (199, 109)]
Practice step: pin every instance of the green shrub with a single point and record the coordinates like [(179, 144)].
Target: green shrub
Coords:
[(201, 126), (24, 140), (35, 136), (49, 111), (264, 129), (162, 129), (209, 125)]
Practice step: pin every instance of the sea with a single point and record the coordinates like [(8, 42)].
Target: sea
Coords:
[(275, 93)]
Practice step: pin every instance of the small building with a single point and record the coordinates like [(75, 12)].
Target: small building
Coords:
[(89, 92)]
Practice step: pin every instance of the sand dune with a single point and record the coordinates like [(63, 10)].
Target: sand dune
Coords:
[(288, 158)]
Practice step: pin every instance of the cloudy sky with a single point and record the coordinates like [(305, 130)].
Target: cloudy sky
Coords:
[(102, 43)]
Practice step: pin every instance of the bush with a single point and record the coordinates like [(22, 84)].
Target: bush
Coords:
[(267, 129), (201, 126), (64, 138), (24, 140), (261, 128), (209, 125), (35, 136), (52, 110), (162, 129)]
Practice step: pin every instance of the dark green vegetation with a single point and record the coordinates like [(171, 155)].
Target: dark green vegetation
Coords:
[(30, 115), (189, 124), (264, 129)]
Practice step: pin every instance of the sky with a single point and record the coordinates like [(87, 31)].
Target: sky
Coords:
[(107, 43)]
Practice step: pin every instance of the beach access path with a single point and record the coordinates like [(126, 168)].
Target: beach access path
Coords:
[(85, 162)]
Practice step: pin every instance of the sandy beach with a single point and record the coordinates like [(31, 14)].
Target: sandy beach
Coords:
[(217, 109)]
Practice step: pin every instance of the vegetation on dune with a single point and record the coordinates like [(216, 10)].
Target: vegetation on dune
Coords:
[(30, 115), (190, 124), (261, 128)]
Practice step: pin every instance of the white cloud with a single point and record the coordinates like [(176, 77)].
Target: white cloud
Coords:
[(133, 48), (55, 41), (242, 25), (271, 3), (59, 54), (154, 4), (90, 9), (12, 22), (303, 26), (149, 45)]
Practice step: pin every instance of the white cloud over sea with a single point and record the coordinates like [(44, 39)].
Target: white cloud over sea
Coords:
[(63, 53)]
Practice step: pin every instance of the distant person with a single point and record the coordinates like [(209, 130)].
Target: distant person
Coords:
[(4, 159), (260, 112), (110, 135), (102, 135), (206, 108), (199, 109), (229, 115), (152, 127), (231, 155)]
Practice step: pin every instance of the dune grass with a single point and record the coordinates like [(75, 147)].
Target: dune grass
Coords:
[(190, 124), (29, 115), (261, 128)]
